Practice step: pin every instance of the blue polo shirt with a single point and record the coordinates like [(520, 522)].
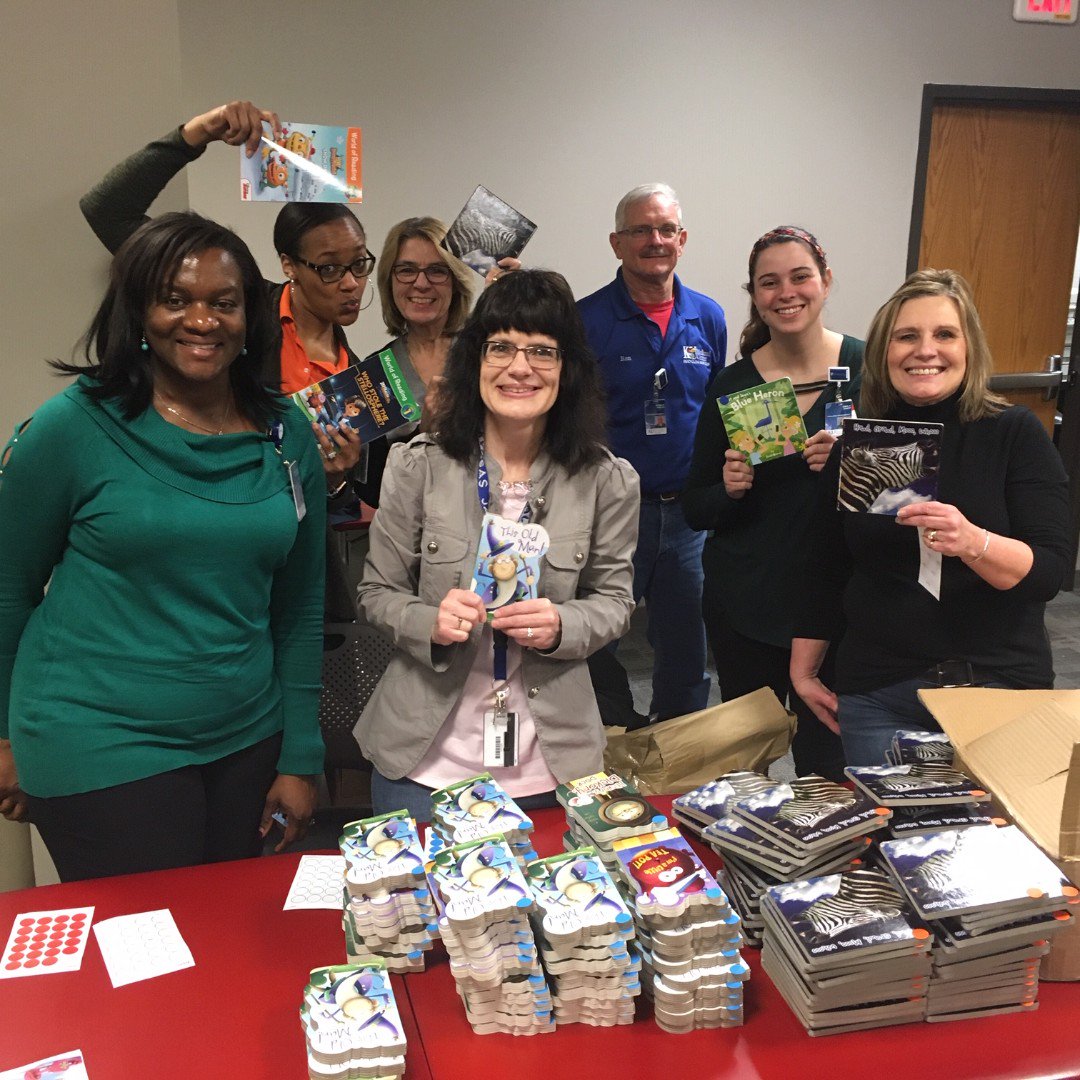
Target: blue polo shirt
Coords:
[(630, 350)]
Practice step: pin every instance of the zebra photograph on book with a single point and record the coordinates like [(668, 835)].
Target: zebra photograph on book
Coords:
[(487, 230), (887, 464)]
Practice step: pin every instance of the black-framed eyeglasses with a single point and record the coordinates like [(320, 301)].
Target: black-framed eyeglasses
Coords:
[(436, 273), (331, 273), (668, 231), (539, 357)]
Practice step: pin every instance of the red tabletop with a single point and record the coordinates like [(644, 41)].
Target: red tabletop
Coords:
[(235, 1014)]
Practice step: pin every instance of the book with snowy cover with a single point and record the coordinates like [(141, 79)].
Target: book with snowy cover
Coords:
[(372, 397), (912, 747), (305, 163), (487, 230), (710, 802), (811, 812), (764, 421), (968, 870), (927, 783), (857, 912), (887, 464)]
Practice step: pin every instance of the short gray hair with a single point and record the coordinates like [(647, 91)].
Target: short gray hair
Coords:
[(640, 194)]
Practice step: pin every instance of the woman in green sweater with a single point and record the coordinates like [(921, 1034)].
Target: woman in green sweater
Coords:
[(160, 700)]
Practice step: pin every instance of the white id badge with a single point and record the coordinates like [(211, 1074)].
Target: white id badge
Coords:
[(297, 489), (500, 739), (836, 412), (655, 416)]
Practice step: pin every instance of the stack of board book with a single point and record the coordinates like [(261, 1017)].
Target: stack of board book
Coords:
[(846, 952), (351, 1024), (688, 933), (388, 911), (993, 901), (585, 935), (601, 809), (484, 903), (786, 832), (925, 796), (478, 807), (698, 809)]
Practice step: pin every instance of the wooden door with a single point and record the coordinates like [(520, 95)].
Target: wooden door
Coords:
[(1001, 204)]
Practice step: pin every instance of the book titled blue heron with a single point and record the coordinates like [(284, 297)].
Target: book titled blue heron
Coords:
[(764, 421), (372, 397)]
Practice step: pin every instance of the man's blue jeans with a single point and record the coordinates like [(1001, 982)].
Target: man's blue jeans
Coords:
[(668, 574)]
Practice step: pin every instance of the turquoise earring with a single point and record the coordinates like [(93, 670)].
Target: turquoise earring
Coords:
[(143, 345)]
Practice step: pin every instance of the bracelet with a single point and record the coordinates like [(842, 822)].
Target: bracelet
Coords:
[(338, 490), (986, 544)]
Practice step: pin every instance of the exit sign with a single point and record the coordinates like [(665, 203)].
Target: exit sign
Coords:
[(1051, 11)]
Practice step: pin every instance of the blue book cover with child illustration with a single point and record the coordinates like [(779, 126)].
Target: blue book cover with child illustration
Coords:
[(305, 163), (372, 397), (764, 421)]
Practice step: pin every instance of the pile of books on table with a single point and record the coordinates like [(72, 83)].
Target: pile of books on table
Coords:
[(603, 808), (993, 901), (483, 904), (585, 935), (351, 1024), (846, 951), (388, 911), (775, 832), (689, 935), (478, 807)]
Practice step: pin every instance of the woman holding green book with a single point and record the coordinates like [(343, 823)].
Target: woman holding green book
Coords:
[(759, 515)]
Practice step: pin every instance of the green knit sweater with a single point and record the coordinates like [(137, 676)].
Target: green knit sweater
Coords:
[(183, 617)]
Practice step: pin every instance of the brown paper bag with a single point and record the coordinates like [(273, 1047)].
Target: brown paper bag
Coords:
[(683, 753)]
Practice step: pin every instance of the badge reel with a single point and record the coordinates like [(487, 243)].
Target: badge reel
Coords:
[(656, 407), (841, 409), (500, 734)]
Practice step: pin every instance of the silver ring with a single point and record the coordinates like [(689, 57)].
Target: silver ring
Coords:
[(528, 631)]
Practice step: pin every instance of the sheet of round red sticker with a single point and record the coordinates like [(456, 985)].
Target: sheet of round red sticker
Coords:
[(43, 942)]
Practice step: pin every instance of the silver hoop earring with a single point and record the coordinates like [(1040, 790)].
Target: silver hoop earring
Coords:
[(370, 302)]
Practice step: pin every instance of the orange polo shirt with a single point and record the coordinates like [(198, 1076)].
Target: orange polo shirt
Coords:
[(298, 370)]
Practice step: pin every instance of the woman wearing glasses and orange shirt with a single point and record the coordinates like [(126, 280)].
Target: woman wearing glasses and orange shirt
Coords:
[(322, 248)]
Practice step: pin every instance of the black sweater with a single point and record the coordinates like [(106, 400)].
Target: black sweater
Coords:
[(1004, 474)]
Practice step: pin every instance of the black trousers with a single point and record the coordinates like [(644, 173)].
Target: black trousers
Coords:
[(196, 814), (744, 665)]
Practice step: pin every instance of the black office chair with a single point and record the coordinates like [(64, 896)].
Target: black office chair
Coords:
[(354, 659)]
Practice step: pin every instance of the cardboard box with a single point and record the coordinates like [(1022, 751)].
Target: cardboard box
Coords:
[(1024, 747)]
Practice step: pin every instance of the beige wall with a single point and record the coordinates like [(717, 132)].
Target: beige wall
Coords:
[(757, 113)]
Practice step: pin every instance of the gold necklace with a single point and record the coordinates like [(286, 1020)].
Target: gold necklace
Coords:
[(191, 423)]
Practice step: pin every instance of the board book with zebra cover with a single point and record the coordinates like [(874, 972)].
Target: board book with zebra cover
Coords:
[(887, 464), (764, 421), (487, 230), (372, 397), (925, 783)]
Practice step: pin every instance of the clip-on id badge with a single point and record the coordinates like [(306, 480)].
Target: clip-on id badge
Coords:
[(297, 489), (836, 412), (500, 734), (656, 407)]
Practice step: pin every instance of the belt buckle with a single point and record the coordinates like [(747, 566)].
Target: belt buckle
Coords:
[(953, 673)]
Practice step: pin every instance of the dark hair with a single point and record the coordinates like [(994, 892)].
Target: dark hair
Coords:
[(141, 272), (296, 220), (531, 302), (756, 333)]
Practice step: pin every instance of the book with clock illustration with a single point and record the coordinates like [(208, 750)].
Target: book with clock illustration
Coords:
[(606, 808)]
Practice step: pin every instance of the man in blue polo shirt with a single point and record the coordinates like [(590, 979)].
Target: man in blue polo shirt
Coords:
[(659, 344)]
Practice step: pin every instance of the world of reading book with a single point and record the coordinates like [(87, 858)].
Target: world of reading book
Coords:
[(372, 397), (306, 163), (887, 464), (487, 230), (764, 421)]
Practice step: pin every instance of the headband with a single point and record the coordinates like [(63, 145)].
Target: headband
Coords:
[(779, 235)]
